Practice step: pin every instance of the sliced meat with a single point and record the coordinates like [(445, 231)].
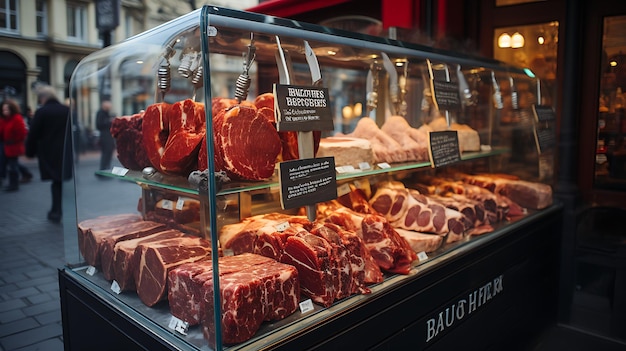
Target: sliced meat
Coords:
[(156, 259), (124, 262)]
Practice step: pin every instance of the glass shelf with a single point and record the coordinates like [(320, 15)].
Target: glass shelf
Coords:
[(181, 185)]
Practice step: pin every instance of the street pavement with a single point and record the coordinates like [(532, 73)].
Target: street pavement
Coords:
[(32, 249)]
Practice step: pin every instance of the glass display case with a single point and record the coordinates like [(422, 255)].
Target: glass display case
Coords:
[(275, 175)]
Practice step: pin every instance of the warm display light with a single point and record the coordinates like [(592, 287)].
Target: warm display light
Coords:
[(517, 40), (504, 40)]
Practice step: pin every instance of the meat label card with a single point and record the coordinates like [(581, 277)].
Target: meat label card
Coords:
[(443, 148), (302, 108), (446, 95), (307, 181)]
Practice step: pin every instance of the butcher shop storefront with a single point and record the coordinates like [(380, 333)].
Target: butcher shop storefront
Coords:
[(283, 185)]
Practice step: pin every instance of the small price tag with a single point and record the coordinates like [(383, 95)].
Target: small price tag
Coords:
[(120, 171), (178, 325), (345, 169), (116, 287), (422, 256), (91, 270), (180, 203), (364, 166), (343, 189), (167, 205), (282, 226), (306, 306), (228, 252), (384, 165)]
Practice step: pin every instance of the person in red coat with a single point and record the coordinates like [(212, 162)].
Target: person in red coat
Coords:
[(13, 133)]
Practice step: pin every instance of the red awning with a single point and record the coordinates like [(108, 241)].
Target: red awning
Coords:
[(289, 8)]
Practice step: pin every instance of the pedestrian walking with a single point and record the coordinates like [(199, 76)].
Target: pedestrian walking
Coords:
[(104, 117), (46, 140), (13, 133)]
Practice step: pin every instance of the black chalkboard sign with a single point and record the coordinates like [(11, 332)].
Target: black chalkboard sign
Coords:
[(545, 138), (543, 113), (307, 181), (443, 148), (302, 108), (446, 95)]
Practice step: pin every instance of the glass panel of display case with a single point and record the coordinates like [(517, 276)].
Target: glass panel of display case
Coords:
[(201, 144)]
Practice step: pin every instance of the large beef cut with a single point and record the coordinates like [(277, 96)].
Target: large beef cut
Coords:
[(249, 296), (128, 134), (103, 222), (124, 262), (155, 259), (96, 238), (312, 257), (185, 294), (248, 143), (172, 135), (131, 231)]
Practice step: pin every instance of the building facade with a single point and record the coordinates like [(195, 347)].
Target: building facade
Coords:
[(42, 41)]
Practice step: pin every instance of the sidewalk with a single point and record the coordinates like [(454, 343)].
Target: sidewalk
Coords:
[(31, 251)]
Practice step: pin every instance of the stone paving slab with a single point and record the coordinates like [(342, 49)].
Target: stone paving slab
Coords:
[(31, 252)]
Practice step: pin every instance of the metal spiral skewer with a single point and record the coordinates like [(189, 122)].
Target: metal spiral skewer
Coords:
[(164, 78), (242, 85)]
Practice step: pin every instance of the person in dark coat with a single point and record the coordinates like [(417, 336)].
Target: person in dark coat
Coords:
[(104, 117), (46, 140)]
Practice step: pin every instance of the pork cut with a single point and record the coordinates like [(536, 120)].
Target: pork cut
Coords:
[(385, 148), (156, 259), (414, 142), (421, 242), (527, 194), (124, 262)]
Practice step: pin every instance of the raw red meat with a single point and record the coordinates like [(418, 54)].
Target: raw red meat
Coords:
[(248, 143), (103, 222), (312, 257), (185, 282), (128, 134), (96, 237), (155, 129), (187, 128), (124, 262), (249, 296), (131, 231), (155, 259)]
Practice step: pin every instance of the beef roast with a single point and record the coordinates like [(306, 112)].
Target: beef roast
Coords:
[(131, 231), (103, 222), (128, 134), (248, 143), (155, 259), (124, 263), (185, 283), (249, 296)]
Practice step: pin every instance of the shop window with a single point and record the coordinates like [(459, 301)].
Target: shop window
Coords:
[(8, 15), (610, 169)]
